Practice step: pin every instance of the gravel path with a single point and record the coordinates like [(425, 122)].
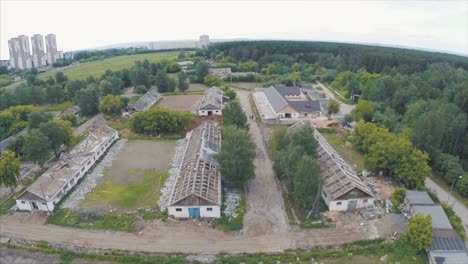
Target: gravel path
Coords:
[(92, 178)]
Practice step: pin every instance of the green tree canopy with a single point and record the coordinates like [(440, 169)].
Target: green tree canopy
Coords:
[(333, 106), (111, 105), (182, 81), (234, 115), (37, 148), (236, 156), (160, 120), (88, 100), (164, 82), (36, 118), (212, 80), (420, 231), (9, 169)]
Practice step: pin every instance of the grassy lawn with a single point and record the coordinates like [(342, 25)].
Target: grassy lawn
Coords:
[(144, 193), (349, 154), (56, 107), (97, 68), (78, 219)]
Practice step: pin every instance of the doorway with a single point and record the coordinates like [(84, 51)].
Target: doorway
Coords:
[(194, 212), (352, 205), (34, 205), (210, 113)]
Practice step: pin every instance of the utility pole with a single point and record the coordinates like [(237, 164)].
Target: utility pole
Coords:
[(451, 187)]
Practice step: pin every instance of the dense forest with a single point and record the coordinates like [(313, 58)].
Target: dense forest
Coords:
[(422, 96)]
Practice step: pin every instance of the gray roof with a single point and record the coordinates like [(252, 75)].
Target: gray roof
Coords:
[(288, 90), (439, 218), (198, 181), (212, 99), (448, 257), (305, 107), (276, 100), (418, 198), (447, 240), (147, 100), (4, 143)]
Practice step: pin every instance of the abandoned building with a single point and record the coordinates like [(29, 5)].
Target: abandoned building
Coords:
[(342, 188), (197, 189), (145, 102), (58, 180), (212, 102), (290, 102), (447, 246)]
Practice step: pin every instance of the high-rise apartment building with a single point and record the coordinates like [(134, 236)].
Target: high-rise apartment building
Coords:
[(38, 51), (204, 41), (51, 45), (20, 54)]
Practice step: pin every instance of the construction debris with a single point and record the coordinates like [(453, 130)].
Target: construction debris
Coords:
[(232, 202)]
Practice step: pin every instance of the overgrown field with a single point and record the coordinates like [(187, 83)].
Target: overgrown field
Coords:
[(97, 68)]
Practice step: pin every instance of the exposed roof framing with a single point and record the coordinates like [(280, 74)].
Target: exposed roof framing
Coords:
[(212, 99), (198, 174), (339, 177)]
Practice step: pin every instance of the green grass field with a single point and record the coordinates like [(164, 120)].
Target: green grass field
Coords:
[(97, 68), (144, 193)]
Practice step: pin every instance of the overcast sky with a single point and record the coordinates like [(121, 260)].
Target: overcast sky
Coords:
[(441, 25)]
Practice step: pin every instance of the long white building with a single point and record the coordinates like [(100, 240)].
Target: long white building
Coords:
[(57, 181)]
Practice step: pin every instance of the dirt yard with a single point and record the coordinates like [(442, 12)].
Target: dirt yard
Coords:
[(18, 256), (187, 102), (135, 178)]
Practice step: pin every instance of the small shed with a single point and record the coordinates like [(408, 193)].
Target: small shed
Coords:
[(212, 102)]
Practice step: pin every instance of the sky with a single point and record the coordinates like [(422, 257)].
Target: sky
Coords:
[(438, 25)]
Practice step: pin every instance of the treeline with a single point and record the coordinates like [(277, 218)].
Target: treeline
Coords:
[(340, 56), (431, 105), (294, 152), (393, 154), (14, 119)]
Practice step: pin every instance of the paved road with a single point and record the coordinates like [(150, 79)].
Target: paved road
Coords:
[(458, 207), (344, 108), (266, 207)]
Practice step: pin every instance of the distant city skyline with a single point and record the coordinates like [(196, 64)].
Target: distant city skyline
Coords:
[(434, 25)]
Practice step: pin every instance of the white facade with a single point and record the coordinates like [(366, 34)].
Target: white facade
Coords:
[(209, 211), (38, 51), (51, 187), (52, 52), (20, 54), (209, 112), (343, 205)]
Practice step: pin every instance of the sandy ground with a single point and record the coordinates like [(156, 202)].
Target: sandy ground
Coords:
[(266, 212), (180, 102)]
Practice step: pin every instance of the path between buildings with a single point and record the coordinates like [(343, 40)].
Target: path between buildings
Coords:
[(459, 208), (266, 212), (344, 108)]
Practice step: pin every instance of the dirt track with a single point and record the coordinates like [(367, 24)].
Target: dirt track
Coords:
[(266, 212)]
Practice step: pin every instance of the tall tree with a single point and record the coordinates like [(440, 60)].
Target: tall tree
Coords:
[(9, 169), (88, 100), (307, 181), (333, 106), (236, 156), (234, 115), (36, 118), (111, 105), (164, 82), (37, 147), (201, 70), (55, 134), (182, 81), (420, 231)]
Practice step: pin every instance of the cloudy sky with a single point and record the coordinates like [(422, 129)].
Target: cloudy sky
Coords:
[(440, 25)]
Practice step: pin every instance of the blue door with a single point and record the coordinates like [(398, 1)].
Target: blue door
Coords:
[(194, 212)]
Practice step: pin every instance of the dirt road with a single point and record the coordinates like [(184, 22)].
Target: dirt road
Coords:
[(170, 237), (459, 208), (266, 212), (344, 108)]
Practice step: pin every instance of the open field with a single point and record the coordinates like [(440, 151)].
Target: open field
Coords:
[(97, 68), (180, 102), (135, 178), (245, 85)]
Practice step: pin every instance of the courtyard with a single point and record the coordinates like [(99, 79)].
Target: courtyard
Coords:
[(187, 102)]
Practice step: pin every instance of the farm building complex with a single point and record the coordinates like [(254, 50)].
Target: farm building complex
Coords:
[(58, 180), (286, 102), (212, 102), (342, 188), (447, 246), (197, 188)]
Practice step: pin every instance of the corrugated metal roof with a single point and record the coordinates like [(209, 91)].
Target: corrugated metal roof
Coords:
[(212, 99), (437, 213), (448, 241), (418, 198), (305, 107), (147, 100), (288, 90), (275, 99), (448, 257)]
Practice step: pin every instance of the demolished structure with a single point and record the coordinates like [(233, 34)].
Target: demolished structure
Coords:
[(58, 180), (146, 101), (197, 189), (342, 188)]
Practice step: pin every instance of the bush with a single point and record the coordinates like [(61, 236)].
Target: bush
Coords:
[(141, 89), (397, 198), (158, 120)]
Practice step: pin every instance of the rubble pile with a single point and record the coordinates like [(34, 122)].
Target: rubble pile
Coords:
[(176, 162), (232, 202), (90, 180)]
